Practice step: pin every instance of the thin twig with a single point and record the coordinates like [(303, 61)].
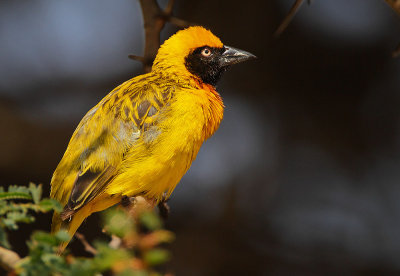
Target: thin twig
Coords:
[(8, 259), (138, 58), (86, 244), (289, 17), (179, 22), (166, 15), (395, 5)]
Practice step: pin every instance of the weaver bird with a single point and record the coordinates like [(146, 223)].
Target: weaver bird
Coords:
[(144, 135)]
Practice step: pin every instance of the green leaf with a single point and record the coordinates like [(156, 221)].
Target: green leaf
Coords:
[(45, 238), (130, 272), (10, 223), (18, 189), (156, 256), (117, 222), (11, 219), (14, 195), (3, 208), (50, 259), (20, 216), (107, 257), (150, 220), (82, 267), (36, 192), (49, 204), (62, 236), (3, 239)]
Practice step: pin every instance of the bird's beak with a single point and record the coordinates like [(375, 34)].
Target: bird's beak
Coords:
[(232, 56)]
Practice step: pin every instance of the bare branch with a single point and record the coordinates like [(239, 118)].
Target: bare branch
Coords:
[(85, 243), (153, 25), (138, 58), (170, 6), (8, 259), (179, 22), (289, 17), (395, 5), (154, 19)]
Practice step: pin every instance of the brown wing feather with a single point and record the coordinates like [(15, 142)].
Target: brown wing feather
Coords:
[(86, 187)]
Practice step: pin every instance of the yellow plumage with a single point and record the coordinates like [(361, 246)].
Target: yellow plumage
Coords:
[(142, 137)]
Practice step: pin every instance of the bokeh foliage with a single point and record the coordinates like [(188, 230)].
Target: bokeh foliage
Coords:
[(135, 246)]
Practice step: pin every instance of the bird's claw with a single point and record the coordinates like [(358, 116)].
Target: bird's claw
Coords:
[(126, 201)]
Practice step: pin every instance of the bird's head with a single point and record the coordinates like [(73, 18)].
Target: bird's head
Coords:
[(195, 52)]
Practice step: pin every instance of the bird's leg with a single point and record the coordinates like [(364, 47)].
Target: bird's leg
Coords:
[(126, 201), (137, 205), (163, 207)]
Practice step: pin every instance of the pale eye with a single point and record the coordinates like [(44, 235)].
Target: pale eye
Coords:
[(206, 52)]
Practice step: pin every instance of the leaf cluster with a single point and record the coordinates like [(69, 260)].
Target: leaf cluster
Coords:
[(135, 247), (18, 205), (134, 250)]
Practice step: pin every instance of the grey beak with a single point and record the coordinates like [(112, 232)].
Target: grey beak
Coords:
[(232, 56)]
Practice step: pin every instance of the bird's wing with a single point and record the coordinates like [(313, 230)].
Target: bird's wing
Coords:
[(100, 141)]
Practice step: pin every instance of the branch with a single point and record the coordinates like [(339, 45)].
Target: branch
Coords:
[(152, 28), (154, 19), (179, 22), (395, 5), (293, 10), (138, 58), (8, 259), (85, 243)]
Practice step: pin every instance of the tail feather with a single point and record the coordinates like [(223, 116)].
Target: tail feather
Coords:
[(72, 223), (68, 225)]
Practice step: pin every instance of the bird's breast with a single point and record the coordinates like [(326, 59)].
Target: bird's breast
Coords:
[(156, 166)]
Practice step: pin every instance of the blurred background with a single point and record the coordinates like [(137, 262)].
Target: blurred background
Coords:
[(303, 176)]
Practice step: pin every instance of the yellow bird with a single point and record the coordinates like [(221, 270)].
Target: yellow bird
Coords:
[(144, 135)]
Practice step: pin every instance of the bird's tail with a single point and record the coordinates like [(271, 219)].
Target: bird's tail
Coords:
[(72, 224), (68, 225)]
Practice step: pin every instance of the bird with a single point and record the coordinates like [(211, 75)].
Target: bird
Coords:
[(143, 136)]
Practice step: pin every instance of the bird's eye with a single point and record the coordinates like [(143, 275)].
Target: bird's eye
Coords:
[(206, 52)]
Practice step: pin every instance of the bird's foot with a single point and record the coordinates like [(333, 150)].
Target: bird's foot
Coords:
[(134, 203), (126, 201)]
